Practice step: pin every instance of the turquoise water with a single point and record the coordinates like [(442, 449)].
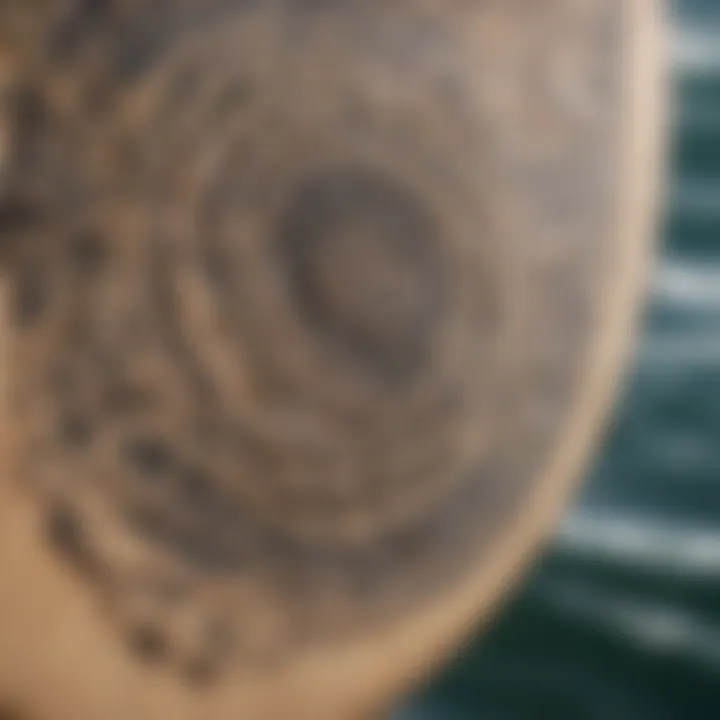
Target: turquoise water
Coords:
[(621, 618)]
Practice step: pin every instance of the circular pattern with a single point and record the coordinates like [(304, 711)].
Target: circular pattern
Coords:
[(363, 265), (305, 351)]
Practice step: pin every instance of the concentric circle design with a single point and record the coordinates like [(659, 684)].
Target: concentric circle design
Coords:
[(307, 348), (362, 264)]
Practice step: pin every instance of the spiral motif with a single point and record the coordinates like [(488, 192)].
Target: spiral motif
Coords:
[(316, 327)]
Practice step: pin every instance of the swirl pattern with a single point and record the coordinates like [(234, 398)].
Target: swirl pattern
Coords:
[(304, 346)]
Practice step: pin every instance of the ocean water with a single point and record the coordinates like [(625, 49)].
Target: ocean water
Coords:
[(621, 617)]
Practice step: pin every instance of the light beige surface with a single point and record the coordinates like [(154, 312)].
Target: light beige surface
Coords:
[(59, 659)]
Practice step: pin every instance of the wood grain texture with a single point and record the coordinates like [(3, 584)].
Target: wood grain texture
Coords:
[(311, 313)]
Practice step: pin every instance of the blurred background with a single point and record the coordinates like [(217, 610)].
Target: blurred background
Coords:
[(621, 618)]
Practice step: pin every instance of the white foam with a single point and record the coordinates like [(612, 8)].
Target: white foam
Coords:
[(649, 625), (695, 49), (637, 541), (689, 284)]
